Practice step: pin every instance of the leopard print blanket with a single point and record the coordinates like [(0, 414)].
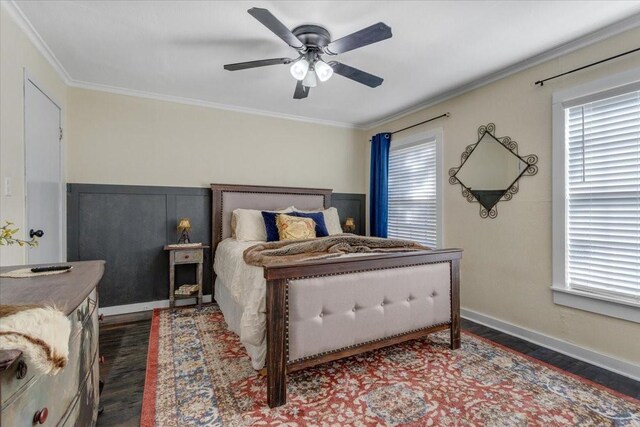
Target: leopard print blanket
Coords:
[(287, 251)]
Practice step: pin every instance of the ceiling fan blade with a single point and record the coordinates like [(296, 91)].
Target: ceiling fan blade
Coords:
[(355, 74), (253, 64), (301, 91), (366, 36), (267, 19)]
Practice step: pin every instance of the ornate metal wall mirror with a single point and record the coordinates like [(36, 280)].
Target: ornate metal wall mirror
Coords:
[(490, 169)]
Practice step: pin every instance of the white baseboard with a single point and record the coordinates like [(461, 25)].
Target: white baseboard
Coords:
[(621, 367), (147, 306)]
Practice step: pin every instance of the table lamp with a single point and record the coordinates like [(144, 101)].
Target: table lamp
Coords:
[(349, 225), (184, 226)]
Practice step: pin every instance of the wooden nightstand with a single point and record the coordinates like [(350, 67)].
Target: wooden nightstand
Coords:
[(179, 255)]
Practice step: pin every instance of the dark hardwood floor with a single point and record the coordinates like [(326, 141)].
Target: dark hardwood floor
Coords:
[(125, 349), (586, 370)]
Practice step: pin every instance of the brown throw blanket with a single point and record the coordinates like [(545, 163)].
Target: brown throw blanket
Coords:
[(287, 251)]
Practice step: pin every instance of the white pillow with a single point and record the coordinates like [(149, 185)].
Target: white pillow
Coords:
[(331, 219), (249, 224)]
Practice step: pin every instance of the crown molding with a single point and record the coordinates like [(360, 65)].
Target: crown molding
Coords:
[(206, 104), (25, 25), (604, 33)]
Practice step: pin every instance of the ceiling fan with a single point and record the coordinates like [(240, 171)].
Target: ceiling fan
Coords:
[(311, 42)]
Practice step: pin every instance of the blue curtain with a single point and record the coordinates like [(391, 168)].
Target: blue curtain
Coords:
[(379, 190)]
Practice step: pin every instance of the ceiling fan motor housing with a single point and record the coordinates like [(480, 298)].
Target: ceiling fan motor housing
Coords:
[(313, 36)]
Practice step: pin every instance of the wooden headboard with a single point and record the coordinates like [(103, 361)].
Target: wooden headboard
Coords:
[(225, 198)]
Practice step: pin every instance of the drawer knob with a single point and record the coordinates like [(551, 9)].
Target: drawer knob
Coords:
[(40, 417), (186, 257), (21, 372), (101, 317)]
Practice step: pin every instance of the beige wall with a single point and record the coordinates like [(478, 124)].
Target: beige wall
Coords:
[(17, 54), (506, 267), (117, 139)]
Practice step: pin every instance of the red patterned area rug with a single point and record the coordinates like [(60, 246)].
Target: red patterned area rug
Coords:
[(198, 374)]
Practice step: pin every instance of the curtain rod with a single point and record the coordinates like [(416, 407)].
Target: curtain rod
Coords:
[(541, 82), (421, 123)]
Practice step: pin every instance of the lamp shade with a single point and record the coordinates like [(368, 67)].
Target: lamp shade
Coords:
[(349, 225), (299, 69), (323, 70), (184, 224)]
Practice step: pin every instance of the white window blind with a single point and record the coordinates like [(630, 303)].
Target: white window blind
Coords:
[(603, 197), (412, 193)]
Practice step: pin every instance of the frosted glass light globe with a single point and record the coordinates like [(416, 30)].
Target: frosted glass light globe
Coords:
[(323, 70), (310, 80), (299, 69)]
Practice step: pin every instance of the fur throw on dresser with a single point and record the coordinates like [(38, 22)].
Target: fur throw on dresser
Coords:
[(286, 251), (41, 333)]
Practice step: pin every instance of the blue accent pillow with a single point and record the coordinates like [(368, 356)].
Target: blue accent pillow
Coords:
[(318, 218), (270, 225)]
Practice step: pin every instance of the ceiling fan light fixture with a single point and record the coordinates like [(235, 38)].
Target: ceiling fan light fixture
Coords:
[(323, 70), (299, 69), (310, 43), (310, 79)]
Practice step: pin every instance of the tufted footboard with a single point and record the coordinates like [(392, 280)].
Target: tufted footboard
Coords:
[(319, 311)]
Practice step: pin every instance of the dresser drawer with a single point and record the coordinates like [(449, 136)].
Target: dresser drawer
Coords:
[(21, 399), (188, 257), (15, 380), (84, 410), (55, 393), (12, 385)]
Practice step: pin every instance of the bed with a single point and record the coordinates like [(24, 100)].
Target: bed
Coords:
[(296, 315)]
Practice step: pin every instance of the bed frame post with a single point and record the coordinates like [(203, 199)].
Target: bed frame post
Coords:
[(455, 304), (276, 343)]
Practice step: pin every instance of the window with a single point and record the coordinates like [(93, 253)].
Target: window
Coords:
[(414, 190), (597, 207)]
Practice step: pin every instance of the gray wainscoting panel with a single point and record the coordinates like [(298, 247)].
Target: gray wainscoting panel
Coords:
[(351, 205), (128, 225), (122, 229)]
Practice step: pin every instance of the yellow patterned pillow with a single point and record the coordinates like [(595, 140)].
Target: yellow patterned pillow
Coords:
[(295, 228)]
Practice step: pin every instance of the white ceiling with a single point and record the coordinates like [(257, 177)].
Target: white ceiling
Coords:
[(178, 48)]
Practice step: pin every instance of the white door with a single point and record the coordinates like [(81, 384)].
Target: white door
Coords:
[(43, 175)]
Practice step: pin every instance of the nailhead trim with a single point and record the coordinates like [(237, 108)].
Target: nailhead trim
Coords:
[(366, 342), (314, 356), (286, 312), (372, 269)]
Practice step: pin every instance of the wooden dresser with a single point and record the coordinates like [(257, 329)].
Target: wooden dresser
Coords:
[(69, 398)]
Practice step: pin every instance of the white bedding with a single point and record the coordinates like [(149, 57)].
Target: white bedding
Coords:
[(247, 288)]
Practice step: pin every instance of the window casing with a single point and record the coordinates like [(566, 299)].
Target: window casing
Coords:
[(415, 180), (596, 197)]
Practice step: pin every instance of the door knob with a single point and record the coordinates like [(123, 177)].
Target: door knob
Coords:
[(37, 233)]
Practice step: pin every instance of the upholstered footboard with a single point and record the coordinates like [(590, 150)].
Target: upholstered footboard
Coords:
[(324, 310)]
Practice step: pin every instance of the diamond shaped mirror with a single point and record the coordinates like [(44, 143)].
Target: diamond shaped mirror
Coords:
[(490, 169)]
